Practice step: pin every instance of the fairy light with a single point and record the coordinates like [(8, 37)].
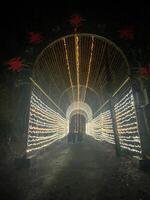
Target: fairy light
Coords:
[(77, 65), (127, 126), (45, 125), (101, 127), (36, 85)]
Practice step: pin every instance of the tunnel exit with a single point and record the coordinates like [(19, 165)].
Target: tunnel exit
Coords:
[(77, 128)]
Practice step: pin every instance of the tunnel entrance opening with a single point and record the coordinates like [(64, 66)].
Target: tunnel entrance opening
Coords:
[(86, 73), (77, 128)]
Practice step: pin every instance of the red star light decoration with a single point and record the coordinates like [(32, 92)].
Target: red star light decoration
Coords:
[(127, 33), (35, 37), (144, 70), (16, 64), (76, 21)]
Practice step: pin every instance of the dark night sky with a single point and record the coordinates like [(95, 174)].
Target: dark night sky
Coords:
[(18, 19)]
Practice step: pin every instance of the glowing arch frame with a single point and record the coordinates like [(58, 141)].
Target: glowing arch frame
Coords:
[(81, 108), (85, 34)]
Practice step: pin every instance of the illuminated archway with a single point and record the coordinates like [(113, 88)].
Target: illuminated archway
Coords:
[(67, 68), (80, 108), (77, 60)]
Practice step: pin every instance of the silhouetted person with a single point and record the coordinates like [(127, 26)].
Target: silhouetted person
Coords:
[(80, 137), (69, 137)]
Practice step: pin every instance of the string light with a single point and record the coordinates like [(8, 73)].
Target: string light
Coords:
[(45, 125), (127, 127), (101, 127), (77, 65), (84, 110), (126, 122)]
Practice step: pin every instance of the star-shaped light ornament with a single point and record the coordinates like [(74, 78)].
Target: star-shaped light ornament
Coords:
[(145, 71), (127, 33), (35, 37), (16, 64), (76, 21)]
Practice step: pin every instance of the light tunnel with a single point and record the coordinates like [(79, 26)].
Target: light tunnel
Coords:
[(85, 74)]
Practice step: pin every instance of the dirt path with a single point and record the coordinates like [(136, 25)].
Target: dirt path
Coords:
[(88, 171)]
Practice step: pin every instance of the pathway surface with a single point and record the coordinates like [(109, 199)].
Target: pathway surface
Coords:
[(88, 171)]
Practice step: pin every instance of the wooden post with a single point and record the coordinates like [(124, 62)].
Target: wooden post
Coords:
[(138, 92), (144, 132)]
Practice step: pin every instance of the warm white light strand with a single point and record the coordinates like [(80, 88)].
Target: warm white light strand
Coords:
[(127, 126), (45, 125), (101, 127)]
